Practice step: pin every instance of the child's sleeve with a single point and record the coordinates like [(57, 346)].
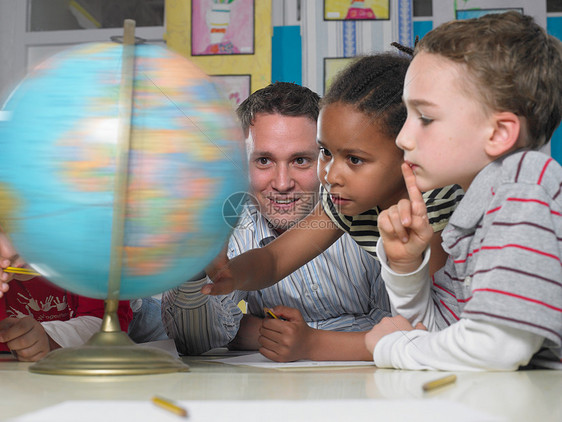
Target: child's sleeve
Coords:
[(467, 345), (87, 315), (411, 295)]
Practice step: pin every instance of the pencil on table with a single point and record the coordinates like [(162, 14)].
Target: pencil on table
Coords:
[(439, 382), (169, 406)]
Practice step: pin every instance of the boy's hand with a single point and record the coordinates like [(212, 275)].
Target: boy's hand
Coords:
[(25, 337), (388, 325), (287, 339), (405, 228)]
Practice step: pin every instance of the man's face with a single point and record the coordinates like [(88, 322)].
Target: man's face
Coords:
[(282, 157)]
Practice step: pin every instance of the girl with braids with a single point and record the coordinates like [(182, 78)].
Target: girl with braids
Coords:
[(359, 168)]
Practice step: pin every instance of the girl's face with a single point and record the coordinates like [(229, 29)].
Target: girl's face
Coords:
[(358, 164)]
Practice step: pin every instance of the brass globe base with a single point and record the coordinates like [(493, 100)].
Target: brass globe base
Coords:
[(108, 353)]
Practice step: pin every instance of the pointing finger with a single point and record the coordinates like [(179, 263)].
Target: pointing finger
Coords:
[(416, 198)]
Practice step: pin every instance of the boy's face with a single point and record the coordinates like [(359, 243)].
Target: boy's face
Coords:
[(358, 165), (282, 156), (446, 130)]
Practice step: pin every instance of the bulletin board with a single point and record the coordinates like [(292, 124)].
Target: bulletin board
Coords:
[(255, 61)]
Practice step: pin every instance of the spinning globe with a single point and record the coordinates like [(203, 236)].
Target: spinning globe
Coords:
[(59, 131)]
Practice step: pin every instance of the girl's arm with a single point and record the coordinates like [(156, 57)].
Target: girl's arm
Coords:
[(263, 267)]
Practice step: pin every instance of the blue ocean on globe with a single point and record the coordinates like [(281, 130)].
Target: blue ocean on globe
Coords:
[(59, 133)]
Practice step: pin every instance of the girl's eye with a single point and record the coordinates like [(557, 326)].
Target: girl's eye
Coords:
[(355, 160), (425, 120), (325, 152)]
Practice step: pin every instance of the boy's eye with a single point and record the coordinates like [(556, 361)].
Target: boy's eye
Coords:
[(325, 152), (425, 120)]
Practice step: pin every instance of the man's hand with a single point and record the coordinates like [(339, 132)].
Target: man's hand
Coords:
[(26, 337), (387, 326), (405, 228), (287, 339)]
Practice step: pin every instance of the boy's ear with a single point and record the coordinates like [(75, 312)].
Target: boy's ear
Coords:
[(505, 134)]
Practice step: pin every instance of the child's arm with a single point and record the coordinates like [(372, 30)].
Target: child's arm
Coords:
[(405, 229), (263, 267), (466, 345), (290, 339), (87, 315)]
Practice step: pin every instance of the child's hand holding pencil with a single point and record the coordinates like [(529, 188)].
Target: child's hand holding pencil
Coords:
[(11, 265)]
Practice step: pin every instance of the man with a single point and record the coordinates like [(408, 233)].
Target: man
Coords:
[(328, 303)]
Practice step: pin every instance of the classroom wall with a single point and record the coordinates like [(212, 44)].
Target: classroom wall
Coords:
[(327, 45)]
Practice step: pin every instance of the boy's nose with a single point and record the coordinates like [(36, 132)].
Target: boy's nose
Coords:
[(404, 140)]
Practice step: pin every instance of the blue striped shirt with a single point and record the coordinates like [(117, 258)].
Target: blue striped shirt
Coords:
[(340, 290)]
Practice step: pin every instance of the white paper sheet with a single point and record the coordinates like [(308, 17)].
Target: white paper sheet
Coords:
[(267, 410), (260, 361)]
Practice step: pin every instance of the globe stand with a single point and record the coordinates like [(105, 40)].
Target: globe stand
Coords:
[(111, 351)]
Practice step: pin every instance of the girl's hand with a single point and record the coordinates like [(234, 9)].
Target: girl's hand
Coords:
[(287, 339), (405, 228)]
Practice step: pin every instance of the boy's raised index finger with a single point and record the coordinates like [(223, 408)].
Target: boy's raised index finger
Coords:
[(410, 178)]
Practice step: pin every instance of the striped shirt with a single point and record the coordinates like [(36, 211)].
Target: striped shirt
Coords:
[(340, 290), (505, 250), (364, 229)]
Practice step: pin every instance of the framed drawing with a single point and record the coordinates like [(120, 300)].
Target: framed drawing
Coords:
[(332, 65), (354, 10), (222, 27), (475, 13), (234, 88)]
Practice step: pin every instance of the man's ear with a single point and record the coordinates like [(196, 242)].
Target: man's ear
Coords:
[(505, 134)]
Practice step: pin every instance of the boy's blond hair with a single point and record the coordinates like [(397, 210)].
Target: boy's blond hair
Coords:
[(513, 63)]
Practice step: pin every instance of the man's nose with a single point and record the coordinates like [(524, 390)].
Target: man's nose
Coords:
[(283, 180)]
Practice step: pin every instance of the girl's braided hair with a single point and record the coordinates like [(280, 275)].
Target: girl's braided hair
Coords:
[(373, 84)]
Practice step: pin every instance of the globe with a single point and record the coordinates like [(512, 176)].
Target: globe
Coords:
[(59, 132)]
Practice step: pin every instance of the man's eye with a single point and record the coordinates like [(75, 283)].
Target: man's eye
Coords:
[(263, 161)]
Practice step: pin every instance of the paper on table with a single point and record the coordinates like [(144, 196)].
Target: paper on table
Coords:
[(273, 410), (260, 361)]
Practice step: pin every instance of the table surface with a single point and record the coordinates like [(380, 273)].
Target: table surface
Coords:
[(522, 395)]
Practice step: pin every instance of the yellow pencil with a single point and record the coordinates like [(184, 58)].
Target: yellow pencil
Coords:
[(169, 406), (16, 270), (270, 313), (439, 382)]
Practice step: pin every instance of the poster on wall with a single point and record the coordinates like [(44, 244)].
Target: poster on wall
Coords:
[(234, 88), (222, 27), (332, 66), (340, 10)]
